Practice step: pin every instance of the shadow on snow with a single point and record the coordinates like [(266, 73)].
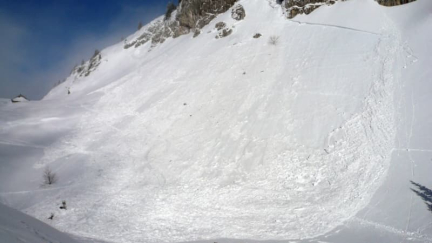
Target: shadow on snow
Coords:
[(425, 194)]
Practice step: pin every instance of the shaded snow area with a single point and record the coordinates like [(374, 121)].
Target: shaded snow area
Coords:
[(16, 227), (314, 139), (4, 102)]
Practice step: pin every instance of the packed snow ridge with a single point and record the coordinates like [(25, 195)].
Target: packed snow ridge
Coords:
[(204, 138)]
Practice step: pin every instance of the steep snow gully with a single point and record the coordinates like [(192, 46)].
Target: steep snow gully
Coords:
[(204, 138)]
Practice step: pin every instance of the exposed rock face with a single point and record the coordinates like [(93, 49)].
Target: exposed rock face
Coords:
[(197, 33), (220, 25), (223, 30), (295, 7), (394, 2), (238, 12), (224, 33), (191, 16), (257, 35), (198, 13), (153, 30), (94, 62), (88, 67)]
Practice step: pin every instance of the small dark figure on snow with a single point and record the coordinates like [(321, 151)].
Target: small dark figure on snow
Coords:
[(63, 206), (51, 217)]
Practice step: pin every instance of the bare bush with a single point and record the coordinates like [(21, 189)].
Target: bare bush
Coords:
[(49, 177), (274, 40)]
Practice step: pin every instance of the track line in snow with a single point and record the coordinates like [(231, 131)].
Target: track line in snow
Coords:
[(413, 150), (21, 144), (336, 26), (35, 191), (391, 229), (411, 159)]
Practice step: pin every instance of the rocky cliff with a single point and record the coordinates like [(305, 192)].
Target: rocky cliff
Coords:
[(194, 14), (294, 7), (393, 2), (190, 16)]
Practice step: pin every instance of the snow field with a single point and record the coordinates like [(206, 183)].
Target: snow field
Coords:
[(229, 138)]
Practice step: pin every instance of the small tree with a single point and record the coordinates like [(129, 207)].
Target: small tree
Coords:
[(274, 40), (170, 8), (140, 25), (49, 177)]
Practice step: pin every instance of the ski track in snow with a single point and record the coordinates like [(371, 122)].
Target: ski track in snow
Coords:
[(20, 144), (411, 159), (406, 234), (336, 26)]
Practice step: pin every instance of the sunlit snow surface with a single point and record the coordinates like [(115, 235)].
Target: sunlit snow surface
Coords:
[(236, 138)]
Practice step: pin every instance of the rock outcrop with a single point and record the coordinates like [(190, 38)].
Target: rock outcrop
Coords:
[(220, 25), (190, 16), (224, 33), (295, 7), (223, 30), (394, 2), (86, 68), (195, 14), (238, 12)]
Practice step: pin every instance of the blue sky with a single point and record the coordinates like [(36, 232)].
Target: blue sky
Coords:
[(41, 40)]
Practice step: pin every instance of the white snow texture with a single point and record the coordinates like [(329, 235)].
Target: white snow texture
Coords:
[(315, 138)]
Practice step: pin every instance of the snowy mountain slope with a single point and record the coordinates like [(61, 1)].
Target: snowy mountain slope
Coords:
[(4, 101), (205, 138), (18, 227)]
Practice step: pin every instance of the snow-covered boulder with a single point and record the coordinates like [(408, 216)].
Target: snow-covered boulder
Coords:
[(19, 98)]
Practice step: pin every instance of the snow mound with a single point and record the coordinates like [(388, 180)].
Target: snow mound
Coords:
[(19, 98)]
